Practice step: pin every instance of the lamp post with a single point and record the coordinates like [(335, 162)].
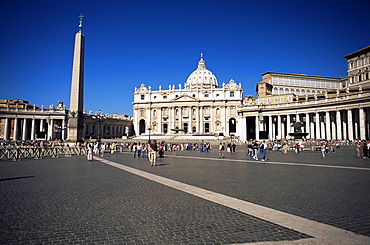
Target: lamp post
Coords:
[(149, 129), (99, 119)]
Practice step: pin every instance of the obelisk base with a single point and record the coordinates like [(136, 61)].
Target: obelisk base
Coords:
[(75, 129)]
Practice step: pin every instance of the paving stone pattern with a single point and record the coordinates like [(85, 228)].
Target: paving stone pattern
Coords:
[(73, 201)]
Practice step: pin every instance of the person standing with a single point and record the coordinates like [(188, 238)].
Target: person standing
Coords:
[(358, 150), (263, 151), (139, 149), (221, 151), (255, 148), (228, 148), (89, 152), (153, 153)]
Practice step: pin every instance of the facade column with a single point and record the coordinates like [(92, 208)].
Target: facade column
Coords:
[(339, 125), (362, 118), (350, 124), (201, 121), (180, 118), (212, 122), (24, 130), (197, 119), (15, 136), (6, 129), (328, 131)]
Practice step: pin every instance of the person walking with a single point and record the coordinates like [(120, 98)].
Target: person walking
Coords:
[(323, 149), (102, 149)]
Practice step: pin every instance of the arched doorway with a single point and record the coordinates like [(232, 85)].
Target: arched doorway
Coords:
[(232, 125), (141, 126)]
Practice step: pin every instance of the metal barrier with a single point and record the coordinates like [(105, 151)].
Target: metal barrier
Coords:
[(17, 153)]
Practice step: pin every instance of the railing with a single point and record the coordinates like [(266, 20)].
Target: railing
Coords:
[(17, 153)]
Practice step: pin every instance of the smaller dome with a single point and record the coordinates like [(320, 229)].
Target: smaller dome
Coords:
[(201, 77)]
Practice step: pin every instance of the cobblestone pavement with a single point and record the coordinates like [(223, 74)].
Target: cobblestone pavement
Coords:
[(73, 201)]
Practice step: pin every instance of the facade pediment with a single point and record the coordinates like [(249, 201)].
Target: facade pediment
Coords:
[(141, 90), (185, 98)]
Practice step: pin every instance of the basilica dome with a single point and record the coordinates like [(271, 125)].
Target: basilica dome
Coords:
[(201, 77)]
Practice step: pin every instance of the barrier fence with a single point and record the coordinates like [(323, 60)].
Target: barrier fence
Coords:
[(17, 153)]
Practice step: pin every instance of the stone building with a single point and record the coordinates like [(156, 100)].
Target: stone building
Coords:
[(198, 107), (21, 121), (330, 109)]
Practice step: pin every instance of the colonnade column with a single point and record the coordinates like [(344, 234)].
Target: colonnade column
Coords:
[(33, 129), (361, 115), (24, 130), (350, 124), (15, 136), (308, 121), (318, 128), (270, 128), (257, 122), (339, 125), (6, 130), (279, 126), (288, 125), (327, 122)]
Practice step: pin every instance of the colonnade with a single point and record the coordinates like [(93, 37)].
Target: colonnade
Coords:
[(32, 128), (103, 130), (340, 123)]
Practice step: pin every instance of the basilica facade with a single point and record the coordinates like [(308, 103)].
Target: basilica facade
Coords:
[(199, 107), (325, 107)]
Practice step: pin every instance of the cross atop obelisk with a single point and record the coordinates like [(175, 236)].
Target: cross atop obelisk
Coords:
[(80, 25), (75, 121)]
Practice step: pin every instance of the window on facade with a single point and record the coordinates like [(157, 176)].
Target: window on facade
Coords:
[(232, 94), (177, 112), (164, 96), (206, 111), (155, 113), (142, 113), (165, 112), (217, 95), (194, 112), (232, 110), (206, 95), (142, 97), (217, 111), (193, 95), (185, 111)]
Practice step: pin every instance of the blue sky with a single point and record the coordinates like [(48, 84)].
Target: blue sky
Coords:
[(159, 43)]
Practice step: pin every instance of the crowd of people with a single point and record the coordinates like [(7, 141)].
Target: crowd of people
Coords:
[(256, 150)]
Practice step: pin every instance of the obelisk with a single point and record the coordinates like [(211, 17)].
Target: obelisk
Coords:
[(75, 121)]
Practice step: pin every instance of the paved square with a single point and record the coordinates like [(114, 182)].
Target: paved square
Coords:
[(71, 200)]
